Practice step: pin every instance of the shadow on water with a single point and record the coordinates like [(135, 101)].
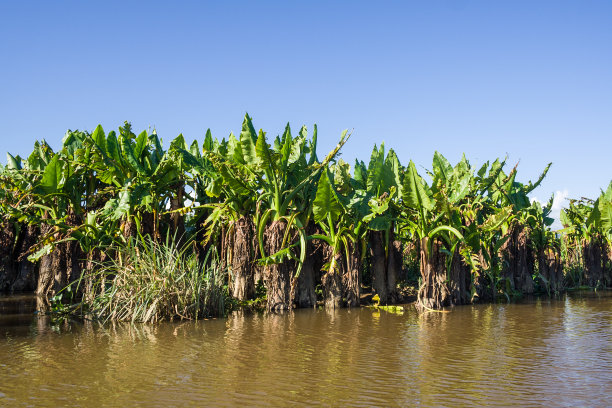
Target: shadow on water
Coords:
[(546, 352)]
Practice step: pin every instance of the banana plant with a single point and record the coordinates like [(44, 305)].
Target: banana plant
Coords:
[(432, 230), (454, 193), (547, 247), (587, 229), (379, 185), (144, 178), (289, 170), (227, 188)]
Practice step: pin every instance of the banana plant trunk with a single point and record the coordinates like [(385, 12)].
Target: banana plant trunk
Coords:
[(550, 267), (147, 225), (93, 260), (52, 270), (200, 248), (129, 228), (378, 263), (178, 219), (27, 272), (592, 257), (63, 265), (332, 280), (306, 296), (386, 265), (243, 283), (518, 260), (351, 278), (607, 262), (483, 285), (395, 264), (433, 293), (460, 280), (277, 277), (7, 266)]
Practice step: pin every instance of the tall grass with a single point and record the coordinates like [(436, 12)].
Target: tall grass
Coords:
[(148, 281)]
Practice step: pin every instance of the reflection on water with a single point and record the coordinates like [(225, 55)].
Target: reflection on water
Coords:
[(539, 352)]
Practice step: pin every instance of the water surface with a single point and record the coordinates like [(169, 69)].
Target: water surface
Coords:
[(539, 352)]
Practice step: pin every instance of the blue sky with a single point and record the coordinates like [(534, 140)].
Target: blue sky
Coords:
[(527, 79)]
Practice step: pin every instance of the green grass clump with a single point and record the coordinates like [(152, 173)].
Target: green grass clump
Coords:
[(148, 281)]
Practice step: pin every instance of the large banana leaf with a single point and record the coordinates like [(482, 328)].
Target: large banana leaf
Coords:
[(141, 144), (248, 138), (360, 175), (52, 176), (414, 195), (375, 170), (263, 151), (13, 163), (312, 148), (99, 138), (392, 173), (441, 167), (326, 202), (127, 149), (605, 215)]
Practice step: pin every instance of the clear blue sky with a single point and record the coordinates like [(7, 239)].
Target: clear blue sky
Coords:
[(530, 79)]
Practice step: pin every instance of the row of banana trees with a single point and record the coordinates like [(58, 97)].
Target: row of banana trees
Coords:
[(310, 229)]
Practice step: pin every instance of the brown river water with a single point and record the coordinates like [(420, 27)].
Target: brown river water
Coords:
[(538, 352)]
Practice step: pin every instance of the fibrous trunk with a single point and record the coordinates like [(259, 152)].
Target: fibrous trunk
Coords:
[(483, 286), (306, 295), (7, 266), (62, 266), (243, 284), (592, 256), (277, 277), (93, 261), (459, 280), (201, 249), (395, 264), (607, 264), (332, 280), (147, 225), (27, 272), (378, 265), (551, 269), (518, 260), (350, 278), (52, 273), (386, 264), (177, 218), (433, 293)]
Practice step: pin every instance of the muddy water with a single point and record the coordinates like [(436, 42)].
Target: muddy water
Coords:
[(535, 353)]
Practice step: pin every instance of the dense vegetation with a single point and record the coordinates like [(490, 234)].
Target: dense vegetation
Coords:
[(140, 232)]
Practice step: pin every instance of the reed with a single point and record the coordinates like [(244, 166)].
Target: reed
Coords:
[(149, 281)]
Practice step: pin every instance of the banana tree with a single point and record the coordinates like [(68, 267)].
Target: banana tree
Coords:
[(20, 217), (379, 184), (144, 180), (547, 247), (601, 217), (340, 216), (433, 232), (289, 171), (588, 233), (54, 202), (517, 252), (227, 188), (454, 193)]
